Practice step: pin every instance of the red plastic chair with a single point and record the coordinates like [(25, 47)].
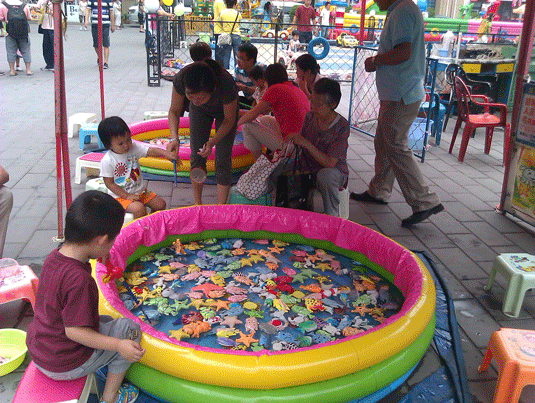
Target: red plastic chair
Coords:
[(472, 121)]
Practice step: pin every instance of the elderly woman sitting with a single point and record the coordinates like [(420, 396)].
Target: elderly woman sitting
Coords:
[(324, 141)]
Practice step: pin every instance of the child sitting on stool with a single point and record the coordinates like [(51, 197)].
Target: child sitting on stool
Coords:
[(120, 167), (324, 140), (67, 338)]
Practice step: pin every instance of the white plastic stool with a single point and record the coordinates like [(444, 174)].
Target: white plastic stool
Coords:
[(150, 115), (98, 184), (75, 121), (91, 163)]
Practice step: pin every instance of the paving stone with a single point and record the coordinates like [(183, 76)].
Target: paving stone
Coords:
[(474, 320), (448, 224), (474, 247), (525, 242), (456, 289), (472, 357), (39, 245), (491, 236), (462, 267), (433, 239), (460, 212)]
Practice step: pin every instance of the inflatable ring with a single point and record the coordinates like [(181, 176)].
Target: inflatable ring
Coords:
[(267, 369), (149, 129), (503, 33), (347, 387), (353, 29), (318, 41), (266, 25), (434, 32)]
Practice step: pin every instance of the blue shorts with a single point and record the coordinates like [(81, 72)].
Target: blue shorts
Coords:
[(105, 35)]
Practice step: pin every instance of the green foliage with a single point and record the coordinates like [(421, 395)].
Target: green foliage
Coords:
[(291, 12), (431, 12)]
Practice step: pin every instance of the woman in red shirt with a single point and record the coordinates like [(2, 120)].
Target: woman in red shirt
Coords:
[(289, 106)]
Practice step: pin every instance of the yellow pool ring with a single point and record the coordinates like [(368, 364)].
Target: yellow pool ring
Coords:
[(298, 367), (166, 165), (434, 31)]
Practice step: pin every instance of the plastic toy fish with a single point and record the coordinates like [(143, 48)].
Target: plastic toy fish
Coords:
[(251, 325), (237, 298), (307, 326), (301, 311), (279, 243), (194, 329), (179, 249), (112, 272), (280, 305), (238, 244), (225, 342)]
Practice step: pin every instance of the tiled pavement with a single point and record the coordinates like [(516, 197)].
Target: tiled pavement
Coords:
[(462, 241)]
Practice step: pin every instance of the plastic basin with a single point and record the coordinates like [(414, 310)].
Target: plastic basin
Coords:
[(13, 347)]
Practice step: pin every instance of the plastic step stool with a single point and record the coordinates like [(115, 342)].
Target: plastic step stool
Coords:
[(17, 282), (84, 135), (91, 163), (35, 386), (75, 121), (519, 270), (514, 352)]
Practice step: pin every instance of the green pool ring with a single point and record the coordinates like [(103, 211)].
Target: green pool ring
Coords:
[(353, 386)]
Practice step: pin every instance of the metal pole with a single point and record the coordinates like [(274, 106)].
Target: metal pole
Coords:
[(524, 54), (362, 19), (62, 146), (100, 60)]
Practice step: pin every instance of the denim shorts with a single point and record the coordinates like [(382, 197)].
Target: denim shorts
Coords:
[(105, 35)]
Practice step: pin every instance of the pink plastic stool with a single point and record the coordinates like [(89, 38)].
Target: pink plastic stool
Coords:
[(35, 386), (17, 282)]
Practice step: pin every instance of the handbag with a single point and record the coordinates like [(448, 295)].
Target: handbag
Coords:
[(225, 38), (255, 182), (294, 187)]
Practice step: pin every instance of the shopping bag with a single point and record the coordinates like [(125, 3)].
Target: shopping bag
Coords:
[(255, 182), (294, 187), (224, 39)]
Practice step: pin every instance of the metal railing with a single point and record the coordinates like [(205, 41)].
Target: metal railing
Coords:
[(364, 102), (168, 46)]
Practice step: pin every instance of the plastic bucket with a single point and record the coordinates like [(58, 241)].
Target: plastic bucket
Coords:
[(417, 133)]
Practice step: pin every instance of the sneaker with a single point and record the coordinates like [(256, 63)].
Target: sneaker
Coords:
[(366, 197), (419, 216), (81, 28), (18, 68), (47, 68), (105, 66)]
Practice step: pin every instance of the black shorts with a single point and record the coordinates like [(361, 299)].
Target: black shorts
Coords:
[(305, 36), (105, 35)]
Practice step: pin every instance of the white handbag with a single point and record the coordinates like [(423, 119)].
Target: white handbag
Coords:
[(256, 181)]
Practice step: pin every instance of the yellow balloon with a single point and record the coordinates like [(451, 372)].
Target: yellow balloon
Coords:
[(168, 2)]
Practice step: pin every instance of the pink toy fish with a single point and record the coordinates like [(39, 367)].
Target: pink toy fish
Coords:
[(237, 298), (288, 271), (251, 325)]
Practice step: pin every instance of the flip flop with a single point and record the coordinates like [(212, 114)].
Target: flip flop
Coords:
[(30, 73), (13, 74)]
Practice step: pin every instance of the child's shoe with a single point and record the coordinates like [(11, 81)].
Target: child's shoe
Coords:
[(127, 393)]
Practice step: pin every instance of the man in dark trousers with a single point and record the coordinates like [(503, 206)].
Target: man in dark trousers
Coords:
[(400, 69), (305, 17)]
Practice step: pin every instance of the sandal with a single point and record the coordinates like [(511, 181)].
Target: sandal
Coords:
[(127, 393)]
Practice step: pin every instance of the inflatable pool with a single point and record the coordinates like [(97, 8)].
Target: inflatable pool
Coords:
[(151, 130), (331, 371)]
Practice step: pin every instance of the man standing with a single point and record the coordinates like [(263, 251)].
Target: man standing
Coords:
[(108, 22), (305, 16), (400, 68), (246, 60)]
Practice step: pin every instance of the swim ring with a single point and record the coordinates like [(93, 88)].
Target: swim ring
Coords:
[(334, 371), (159, 128)]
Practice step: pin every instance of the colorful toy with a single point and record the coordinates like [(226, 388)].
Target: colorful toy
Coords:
[(148, 130)]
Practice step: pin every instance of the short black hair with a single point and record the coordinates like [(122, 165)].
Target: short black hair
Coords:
[(249, 49), (330, 88), (257, 72), (275, 74), (295, 32), (112, 127), (93, 214), (203, 76), (230, 3), (307, 62), (200, 51)]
